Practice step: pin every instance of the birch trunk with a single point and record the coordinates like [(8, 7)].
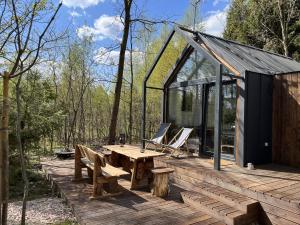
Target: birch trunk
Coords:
[(21, 152)]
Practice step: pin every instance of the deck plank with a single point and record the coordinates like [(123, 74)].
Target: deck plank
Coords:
[(131, 207)]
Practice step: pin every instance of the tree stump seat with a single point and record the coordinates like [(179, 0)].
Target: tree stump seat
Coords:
[(160, 186)]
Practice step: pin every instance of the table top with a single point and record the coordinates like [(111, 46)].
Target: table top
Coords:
[(133, 152)]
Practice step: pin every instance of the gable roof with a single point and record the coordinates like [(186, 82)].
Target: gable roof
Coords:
[(247, 58)]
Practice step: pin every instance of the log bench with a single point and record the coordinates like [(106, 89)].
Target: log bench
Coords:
[(160, 186), (104, 176)]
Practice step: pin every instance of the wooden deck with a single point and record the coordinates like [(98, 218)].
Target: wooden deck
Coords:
[(132, 207), (276, 187)]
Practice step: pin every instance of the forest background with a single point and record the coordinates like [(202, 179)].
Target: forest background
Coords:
[(68, 96)]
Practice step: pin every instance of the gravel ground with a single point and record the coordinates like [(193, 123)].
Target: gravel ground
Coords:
[(40, 211)]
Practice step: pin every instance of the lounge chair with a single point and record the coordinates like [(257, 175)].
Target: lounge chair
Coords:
[(178, 141), (158, 138)]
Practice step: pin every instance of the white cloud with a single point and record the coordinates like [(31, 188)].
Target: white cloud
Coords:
[(86, 31), (81, 3), (104, 27), (105, 56), (216, 2), (215, 22), (74, 14)]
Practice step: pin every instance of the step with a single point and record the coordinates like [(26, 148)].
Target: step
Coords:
[(218, 209), (236, 200)]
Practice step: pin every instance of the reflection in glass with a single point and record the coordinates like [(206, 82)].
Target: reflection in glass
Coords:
[(185, 110), (185, 106), (228, 120), (196, 67)]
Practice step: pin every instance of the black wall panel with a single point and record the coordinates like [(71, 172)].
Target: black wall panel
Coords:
[(258, 141)]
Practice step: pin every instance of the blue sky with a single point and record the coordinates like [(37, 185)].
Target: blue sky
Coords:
[(95, 15), (101, 18)]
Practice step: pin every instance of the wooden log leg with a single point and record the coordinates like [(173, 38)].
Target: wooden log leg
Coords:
[(160, 185), (97, 186), (97, 190), (78, 167), (90, 173), (149, 165), (133, 174)]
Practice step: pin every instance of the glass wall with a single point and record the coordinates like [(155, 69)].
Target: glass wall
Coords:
[(191, 103), (196, 67), (185, 110), (185, 106)]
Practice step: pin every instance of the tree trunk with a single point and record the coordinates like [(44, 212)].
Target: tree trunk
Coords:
[(284, 27), (4, 148), (131, 88), (118, 88), (21, 152)]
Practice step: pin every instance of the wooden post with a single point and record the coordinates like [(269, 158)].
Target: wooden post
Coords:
[(78, 170), (4, 164), (218, 119), (97, 186)]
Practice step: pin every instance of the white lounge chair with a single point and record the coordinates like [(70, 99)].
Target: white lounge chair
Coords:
[(178, 141), (158, 138)]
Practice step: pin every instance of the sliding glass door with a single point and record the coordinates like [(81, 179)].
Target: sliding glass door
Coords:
[(228, 119)]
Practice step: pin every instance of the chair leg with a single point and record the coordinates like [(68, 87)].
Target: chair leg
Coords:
[(146, 146), (173, 151), (187, 147)]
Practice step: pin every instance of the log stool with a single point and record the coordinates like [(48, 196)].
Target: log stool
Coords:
[(160, 186)]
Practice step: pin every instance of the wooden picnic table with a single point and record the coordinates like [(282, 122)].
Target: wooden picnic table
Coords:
[(132, 160)]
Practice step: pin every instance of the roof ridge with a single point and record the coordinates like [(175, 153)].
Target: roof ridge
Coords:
[(248, 46)]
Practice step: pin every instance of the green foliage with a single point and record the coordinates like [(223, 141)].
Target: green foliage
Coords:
[(39, 114), (257, 23)]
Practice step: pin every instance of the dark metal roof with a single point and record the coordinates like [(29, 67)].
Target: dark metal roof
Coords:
[(247, 58)]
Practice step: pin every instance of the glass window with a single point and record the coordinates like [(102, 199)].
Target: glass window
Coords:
[(184, 108), (196, 67)]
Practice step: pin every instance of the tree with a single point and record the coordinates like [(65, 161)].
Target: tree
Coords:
[(272, 25), (20, 49), (76, 79), (118, 87)]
